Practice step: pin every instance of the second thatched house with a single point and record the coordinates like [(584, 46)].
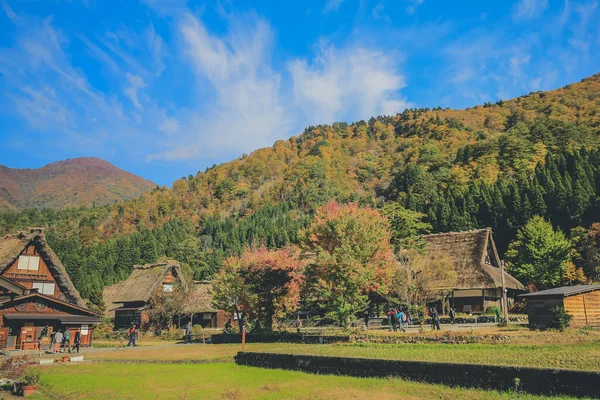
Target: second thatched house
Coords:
[(475, 259), (128, 301), (198, 308)]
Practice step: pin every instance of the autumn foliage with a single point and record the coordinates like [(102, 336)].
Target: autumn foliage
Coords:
[(259, 286), (352, 258)]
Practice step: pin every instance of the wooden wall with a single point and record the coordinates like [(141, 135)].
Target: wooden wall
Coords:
[(27, 278), (585, 309)]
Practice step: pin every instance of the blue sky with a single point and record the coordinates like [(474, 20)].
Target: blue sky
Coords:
[(165, 88)]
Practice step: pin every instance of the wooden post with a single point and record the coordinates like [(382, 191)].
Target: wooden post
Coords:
[(504, 299), (584, 309), (244, 338)]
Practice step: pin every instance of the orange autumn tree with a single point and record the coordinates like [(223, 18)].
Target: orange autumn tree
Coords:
[(353, 257), (259, 286)]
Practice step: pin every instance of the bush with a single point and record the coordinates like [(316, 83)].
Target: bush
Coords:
[(14, 368), (492, 310), (559, 318), (31, 377)]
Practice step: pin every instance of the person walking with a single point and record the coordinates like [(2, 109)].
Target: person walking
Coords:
[(436, 320), (452, 315), (366, 317), (188, 333), (498, 317), (132, 333), (400, 318), (58, 339), (67, 345), (77, 340)]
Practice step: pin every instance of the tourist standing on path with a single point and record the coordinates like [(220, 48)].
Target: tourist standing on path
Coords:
[(394, 319), (58, 339), (67, 345), (366, 318), (400, 318), (498, 317), (132, 333), (188, 333), (436, 320), (77, 340), (452, 315)]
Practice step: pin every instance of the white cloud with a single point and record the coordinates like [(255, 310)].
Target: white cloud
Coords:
[(339, 83), (247, 111), (135, 83), (413, 6), (332, 5), (526, 10)]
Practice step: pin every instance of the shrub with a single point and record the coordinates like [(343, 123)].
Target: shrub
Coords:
[(492, 310), (559, 318), (31, 377), (14, 368)]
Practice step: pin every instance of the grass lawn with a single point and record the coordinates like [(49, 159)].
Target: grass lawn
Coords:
[(583, 356), (229, 381)]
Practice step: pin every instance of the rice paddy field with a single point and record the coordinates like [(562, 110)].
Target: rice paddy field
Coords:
[(177, 371)]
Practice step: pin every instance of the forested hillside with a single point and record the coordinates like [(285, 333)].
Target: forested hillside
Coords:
[(494, 165), (84, 181)]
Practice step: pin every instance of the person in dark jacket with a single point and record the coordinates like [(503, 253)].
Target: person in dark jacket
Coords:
[(366, 317), (77, 340), (452, 315), (435, 318), (132, 334)]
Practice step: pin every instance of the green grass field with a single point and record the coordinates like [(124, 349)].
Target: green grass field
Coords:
[(220, 378), (568, 356), (229, 381)]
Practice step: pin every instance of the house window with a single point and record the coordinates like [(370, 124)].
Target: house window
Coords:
[(30, 263), (44, 288), (167, 287)]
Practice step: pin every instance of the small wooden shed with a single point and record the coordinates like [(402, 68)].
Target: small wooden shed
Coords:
[(582, 302)]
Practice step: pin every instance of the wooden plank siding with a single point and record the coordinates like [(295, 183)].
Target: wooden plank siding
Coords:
[(585, 309), (27, 278)]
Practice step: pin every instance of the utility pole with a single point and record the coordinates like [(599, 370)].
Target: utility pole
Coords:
[(504, 299)]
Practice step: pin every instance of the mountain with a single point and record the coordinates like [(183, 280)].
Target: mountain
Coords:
[(84, 181), (494, 165)]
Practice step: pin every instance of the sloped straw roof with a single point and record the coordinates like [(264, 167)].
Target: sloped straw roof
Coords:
[(11, 247), (110, 294), (467, 250), (143, 283)]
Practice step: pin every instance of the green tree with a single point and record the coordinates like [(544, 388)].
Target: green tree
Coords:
[(539, 255), (405, 223)]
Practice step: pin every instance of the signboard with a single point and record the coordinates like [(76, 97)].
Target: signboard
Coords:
[(84, 330)]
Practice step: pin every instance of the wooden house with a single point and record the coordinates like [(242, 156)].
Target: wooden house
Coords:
[(475, 259), (582, 302), (199, 310), (37, 295), (129, 300)]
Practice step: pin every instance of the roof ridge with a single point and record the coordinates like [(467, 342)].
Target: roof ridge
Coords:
[(487, 229)]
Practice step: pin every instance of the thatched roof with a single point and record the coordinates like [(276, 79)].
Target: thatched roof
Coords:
[(469, 251), (11, 247), (198, 299), (109, 295), (144, 281)]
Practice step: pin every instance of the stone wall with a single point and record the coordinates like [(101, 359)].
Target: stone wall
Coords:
[(532, 380)]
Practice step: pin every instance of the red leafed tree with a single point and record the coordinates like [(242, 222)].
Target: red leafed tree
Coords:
[(353, 257), (259, 286)]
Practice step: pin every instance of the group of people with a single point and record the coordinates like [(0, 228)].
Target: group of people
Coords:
[(398, 319), (61, 340)]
